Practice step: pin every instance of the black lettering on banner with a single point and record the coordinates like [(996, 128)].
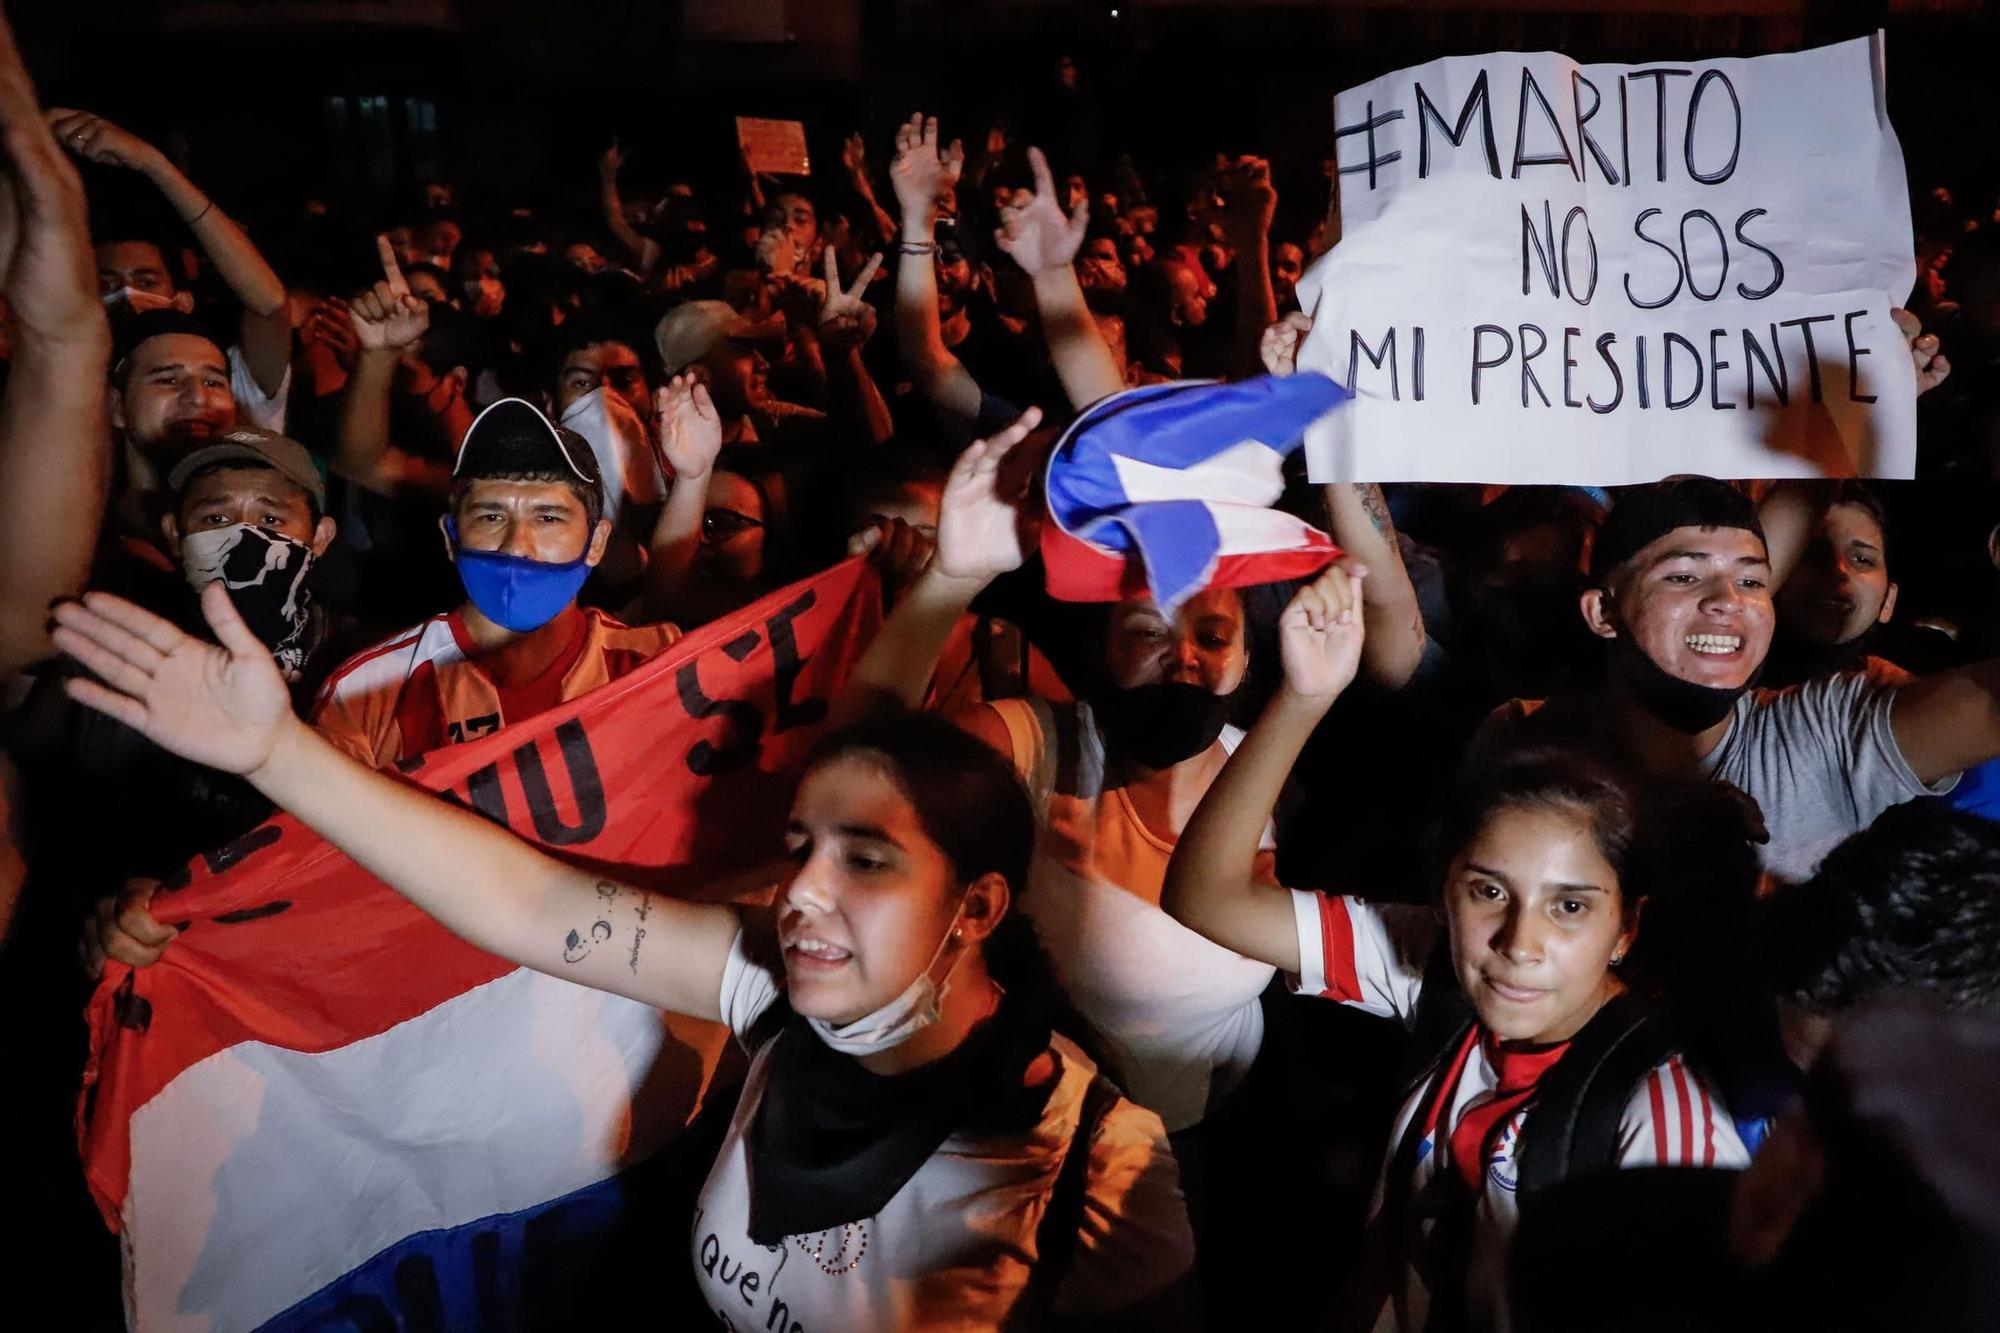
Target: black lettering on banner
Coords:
[(1639, 376), (1777, 377), (1417, 363), (1670, 341), (1716, 365), (1479, 363), (1659, 78), (1804, 325), (1625, 129), (1736, 133), (1587, 147), (1356, 346), (133, 1011), (1777, 264), (1427, 115), (746, 721), (1368, 126), (1722, 243), (1604, 341), (787, 666), (1639, 230), (1569, 279), (482, 786), (1569, 366), (740, 647), (1562, 159), (585, 786), (1854, 355), (1544, 242), (235, 852), (1527, 363), (417, 1291)]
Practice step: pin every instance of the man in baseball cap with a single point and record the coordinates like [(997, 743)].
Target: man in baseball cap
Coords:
[(524, 527), (715, 342)]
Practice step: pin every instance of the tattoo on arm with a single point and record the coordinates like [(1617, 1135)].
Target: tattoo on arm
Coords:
[(1373, 505), (578, 944)]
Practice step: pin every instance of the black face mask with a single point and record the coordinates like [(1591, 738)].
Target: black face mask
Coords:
[(1681, 704), (1160, 725)]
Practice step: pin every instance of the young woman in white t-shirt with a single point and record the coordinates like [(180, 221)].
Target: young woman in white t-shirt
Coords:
[(1540, 907), (899, 1157)]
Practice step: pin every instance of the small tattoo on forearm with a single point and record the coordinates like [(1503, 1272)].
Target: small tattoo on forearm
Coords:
[(638, 937), (577, 946)]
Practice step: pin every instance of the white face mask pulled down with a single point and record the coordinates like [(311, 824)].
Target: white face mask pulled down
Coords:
[(917, 1007)]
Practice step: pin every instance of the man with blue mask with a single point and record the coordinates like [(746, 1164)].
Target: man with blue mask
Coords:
[(524, 528)]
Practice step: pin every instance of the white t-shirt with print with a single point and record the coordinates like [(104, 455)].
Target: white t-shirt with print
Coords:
[(954, 1247), (1371, 956)]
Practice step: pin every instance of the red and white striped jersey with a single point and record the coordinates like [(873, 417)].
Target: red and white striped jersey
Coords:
[(1372, 956), (423, 689)]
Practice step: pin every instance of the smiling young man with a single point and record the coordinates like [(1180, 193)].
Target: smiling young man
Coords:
[(1680, 593), (524, 528)]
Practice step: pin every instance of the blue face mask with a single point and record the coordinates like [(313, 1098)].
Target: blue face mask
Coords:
[(514, 592)]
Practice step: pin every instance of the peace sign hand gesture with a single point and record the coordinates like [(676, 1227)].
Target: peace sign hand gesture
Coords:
[(1034, 230), (845, 319), (387, 317)]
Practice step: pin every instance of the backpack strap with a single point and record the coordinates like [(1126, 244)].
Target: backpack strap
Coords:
[(1060, 1231), (1580, 1106)]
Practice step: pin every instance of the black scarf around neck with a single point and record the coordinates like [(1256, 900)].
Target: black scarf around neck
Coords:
[(832, 1143)]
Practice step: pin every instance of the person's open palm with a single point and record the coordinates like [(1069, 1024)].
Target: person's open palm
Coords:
[(223, 706), (1320, 633), (980, 526), (924, 169), (688, 427), (1035, 231)]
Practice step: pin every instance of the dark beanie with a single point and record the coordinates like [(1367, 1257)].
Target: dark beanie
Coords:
[(1644, 514)]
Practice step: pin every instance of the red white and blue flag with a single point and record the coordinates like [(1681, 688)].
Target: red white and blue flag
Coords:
[(1168, 489), (320, 1110)]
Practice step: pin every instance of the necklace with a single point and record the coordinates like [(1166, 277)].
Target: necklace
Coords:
[(832, 1267)]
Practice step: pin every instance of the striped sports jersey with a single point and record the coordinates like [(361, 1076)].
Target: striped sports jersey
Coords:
[(423, 689), (1371, 956)]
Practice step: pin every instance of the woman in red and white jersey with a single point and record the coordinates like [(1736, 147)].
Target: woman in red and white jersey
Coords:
[(1539, 908)]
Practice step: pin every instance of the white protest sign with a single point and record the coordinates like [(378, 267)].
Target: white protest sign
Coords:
[(774, 147), (1604, 274)]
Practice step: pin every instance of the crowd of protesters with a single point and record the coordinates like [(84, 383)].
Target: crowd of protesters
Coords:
[(1659, 823)]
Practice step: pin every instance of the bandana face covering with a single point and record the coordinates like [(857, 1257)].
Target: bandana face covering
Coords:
[(266, 577), (1162, 724), (1681, 704), (514, 592)]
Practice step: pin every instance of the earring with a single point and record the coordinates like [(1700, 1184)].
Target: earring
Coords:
[(1617, 958), (956, 934)]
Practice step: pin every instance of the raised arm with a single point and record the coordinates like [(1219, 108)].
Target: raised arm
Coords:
[(920, 173), (1249, 202), (1358, 517), (266, 334), (1044, 243), (1948, 722), (854, 157), (846, 323), (643, 252), (55, 437), (387, 322), (1209, 886), (227, 707), (982, 533), (689, 430)]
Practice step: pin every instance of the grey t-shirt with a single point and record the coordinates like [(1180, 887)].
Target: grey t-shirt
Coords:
[(1819, 759)]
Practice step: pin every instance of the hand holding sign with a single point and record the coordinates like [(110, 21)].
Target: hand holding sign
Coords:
[(1931, 364), (387, 318)]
